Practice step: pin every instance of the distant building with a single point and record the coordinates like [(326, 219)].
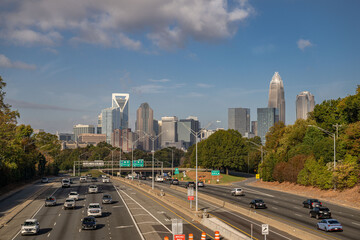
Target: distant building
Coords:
[(99, 125), (266, 118), (168, 131), (254, 128), (277, 96), (66, 137), (184, 126), (124, 139), (81, 128), (144, 126), (116, 117), (92, 139), (239, 119), (305, 103), (205, 133), (156, 133)]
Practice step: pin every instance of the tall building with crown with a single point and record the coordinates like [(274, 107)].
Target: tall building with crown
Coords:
[(277, 96), (305, 103), (144, 125)]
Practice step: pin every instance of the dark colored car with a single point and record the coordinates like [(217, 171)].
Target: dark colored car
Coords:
[(320, 212), (311, 203), (88, 223), (174, 182), (94, 179), (257, 203), (190, 184)]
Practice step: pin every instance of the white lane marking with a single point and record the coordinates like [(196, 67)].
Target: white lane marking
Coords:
[(59, 214), (298, 215), (117, 206), (140, 214), (48, 235), (356, 223), (274, 207), (148, 222), (79, 229), (137, 227), (35, 213), (147, 212), (154, 232), (54, 223), (246, 219), (275, 201), (161, 212), (297, 207)]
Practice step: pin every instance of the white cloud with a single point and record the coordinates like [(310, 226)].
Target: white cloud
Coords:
[(302, 44), (159, 80), (166, 24), (7, 63), (204, 85), (148, 88)]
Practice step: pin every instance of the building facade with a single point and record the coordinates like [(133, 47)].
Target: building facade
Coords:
[(92, 139), (144, 126), (168, 131), (254, 128), (239, 119), (81, 128), (124, 139), (184, 129), (266, 118), (305, 103), (277, 96), (66, 137)]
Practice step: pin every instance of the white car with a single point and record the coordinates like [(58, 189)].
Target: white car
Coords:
[(93, 189), (329, 225), (44, 180), (69, 203), (74, 195), (159, 178), (65, 183), (106, 180), (30, 226), (237, 192), (94, 209), (83, 179)]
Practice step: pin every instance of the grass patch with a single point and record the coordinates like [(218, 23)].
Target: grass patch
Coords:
[(94, 173), (206, 176)]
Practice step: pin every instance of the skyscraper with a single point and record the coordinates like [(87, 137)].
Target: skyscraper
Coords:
[(115, 117), (80, 128), (305, 103), (144, 125), (239, 119), (183, 131), (169, 131), (266, 118), (277, 96)]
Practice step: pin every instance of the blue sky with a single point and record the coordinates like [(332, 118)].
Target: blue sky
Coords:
[(61, 61)]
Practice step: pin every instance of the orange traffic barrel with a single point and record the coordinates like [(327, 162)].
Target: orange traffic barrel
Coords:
[(203, 236), (217, 235), (166, 238), (191, 236)]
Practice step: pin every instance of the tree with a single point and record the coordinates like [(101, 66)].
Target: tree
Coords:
[(347, 172)]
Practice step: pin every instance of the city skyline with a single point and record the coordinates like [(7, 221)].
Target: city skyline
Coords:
[(61, 67)]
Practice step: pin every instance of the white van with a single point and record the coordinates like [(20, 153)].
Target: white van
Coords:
[(65, 183)]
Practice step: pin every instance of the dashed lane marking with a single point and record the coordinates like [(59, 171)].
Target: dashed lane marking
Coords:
[(119, 227), (54, 223), (274, 207), (298, 215), (48, 235), (356, 223)]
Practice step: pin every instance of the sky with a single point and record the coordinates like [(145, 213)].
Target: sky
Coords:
[(62, 60)]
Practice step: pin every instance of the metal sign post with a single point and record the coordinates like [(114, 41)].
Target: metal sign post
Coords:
[(177, 227), (265, 230), (191, 196)]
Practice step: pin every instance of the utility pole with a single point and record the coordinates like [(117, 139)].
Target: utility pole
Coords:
[(337, 129)]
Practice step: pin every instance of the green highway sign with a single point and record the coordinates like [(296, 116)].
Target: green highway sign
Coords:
[(215, 172), (138, 163), (176, 171), (125, 163)]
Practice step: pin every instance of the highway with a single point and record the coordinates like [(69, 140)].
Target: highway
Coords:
[(284, 207), (133, 215)]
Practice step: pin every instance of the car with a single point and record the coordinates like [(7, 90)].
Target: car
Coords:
[(93, 189), (175, 182), (94, 209), (311, 203), (237, 192), (88, 223), (71, 180), (74, 195), (190, 184), (143, 177), (65, 183), (329, 225), (201, 184), (106, 180), (320, 212), (89, 175), (257, 203), (44, 180), (94, 179), (50, 201), (106, 198), (159, 178), (30, 226), (103, 176), (69, 203), (83, 179)]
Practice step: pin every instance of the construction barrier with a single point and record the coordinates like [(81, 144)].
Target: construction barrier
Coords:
[(217, 235), (191, 236), (166, 238), (203, 236)]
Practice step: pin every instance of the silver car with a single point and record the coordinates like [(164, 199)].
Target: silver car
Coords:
[(93, 189), (30, 226), (237, 192), (69, 203), (106, 199)]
